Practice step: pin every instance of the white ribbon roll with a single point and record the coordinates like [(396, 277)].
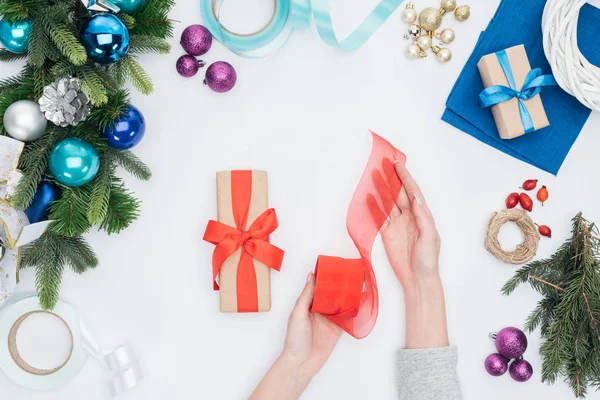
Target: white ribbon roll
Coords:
[(122, 364)]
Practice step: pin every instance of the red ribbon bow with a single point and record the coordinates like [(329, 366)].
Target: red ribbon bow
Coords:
[(254, 243)]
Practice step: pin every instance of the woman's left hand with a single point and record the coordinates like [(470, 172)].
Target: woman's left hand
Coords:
[(310, 337)]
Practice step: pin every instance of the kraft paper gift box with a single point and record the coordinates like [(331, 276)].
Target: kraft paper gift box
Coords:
[(507, 115), (243, 257)]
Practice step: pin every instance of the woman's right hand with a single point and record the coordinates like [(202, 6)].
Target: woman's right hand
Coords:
[(412, 244)]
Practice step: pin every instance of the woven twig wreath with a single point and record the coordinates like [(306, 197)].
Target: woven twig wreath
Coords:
[(526, 250)]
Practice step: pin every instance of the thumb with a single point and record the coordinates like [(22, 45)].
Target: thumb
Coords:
[(306, 297)]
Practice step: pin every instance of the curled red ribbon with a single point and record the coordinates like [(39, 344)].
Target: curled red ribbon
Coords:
[(254, 242), (346, 289)]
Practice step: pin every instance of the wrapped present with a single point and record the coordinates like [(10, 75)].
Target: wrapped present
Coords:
[(243, 256), (15, 229), (512, 90)]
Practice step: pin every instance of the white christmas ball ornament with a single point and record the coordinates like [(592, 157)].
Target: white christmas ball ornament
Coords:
[(413, 51), (24, 121), (409, 15), (424, 42), (444, 55), (447, 36)]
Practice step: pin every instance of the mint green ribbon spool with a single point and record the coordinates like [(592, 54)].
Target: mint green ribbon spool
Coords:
[(287, 16)]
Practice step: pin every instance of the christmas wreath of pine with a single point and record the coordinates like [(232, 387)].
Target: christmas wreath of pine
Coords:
[(54, 51)]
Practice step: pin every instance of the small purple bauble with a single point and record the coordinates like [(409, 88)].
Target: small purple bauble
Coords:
[(188, 66), (196, 40), (220, 77), (521, 370), (496, 364), (511, 342)]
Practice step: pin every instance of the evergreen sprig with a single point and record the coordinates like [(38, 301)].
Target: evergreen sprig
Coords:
[(55, 51), (569, 313)]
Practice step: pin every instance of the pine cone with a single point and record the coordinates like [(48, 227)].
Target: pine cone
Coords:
[(64, 103)]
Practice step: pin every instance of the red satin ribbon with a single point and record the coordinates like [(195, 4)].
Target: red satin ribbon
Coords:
[(346, 289), (254, 242)]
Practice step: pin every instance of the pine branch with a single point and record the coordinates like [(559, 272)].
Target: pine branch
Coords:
[(8, 56), (569, 313), (69, 213), (137, 76), (49, 255), (148, 44), (111, 111), (101, 187), (34, 164), (68, 44), (132, 164), (123, 209), (39, 41), (92, 85)]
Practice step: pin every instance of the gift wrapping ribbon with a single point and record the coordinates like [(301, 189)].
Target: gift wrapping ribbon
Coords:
[(346, 289), (254, 242), (534, 81), (290, 14), (122, 365)]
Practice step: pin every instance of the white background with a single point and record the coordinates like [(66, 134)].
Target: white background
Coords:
[(303, 115)]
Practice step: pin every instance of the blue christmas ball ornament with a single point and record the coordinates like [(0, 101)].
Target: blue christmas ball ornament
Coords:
[(14, 36), (129, 6), (74, 162), (105, 38), (46, 193), (127, 131)]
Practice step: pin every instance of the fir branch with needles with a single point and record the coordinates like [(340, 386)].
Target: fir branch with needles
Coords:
[(55, 51), (569, 313)]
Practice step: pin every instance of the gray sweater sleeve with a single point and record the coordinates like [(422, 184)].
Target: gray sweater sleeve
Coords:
[(428, 374)]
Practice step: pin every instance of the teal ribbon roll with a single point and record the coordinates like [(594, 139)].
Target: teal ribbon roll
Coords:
[(289, 15), (534, 81)]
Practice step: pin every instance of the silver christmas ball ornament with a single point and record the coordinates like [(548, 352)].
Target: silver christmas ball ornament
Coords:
[(24, 121), (64, 103), (414, 32)]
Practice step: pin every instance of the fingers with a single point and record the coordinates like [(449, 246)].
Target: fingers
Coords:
[(305, 300), (412, 192), (389, 204), (379, 218)]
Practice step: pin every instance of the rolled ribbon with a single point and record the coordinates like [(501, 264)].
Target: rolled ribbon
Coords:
[(121, 365), (346, 289), (534, 81), (254, 242), (290, 14)]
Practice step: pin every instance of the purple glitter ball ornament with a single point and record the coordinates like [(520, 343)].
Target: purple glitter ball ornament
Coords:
[(220, 77), (520, 370), (511, 342), (496, 364), (187, 66), (196, 40)]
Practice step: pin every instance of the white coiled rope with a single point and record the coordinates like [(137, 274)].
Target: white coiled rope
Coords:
[(573, 72)]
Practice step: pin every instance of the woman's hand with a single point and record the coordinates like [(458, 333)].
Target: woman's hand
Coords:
[(412, 244), (410, 237), (309, 342)]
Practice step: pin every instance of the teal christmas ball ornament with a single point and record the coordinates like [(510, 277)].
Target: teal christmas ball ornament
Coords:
[(127, 131), (129, 6), (74, 162), (14, 36), (105, 38)]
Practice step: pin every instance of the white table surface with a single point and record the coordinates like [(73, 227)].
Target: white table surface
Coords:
[(303, 115)]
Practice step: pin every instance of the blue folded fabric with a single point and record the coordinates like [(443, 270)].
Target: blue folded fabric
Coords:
[(519, 22)]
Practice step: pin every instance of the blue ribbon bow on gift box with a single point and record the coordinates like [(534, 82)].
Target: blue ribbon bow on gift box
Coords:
[(534, 81)]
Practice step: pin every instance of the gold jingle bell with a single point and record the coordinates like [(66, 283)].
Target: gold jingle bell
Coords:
[(462, 13)]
